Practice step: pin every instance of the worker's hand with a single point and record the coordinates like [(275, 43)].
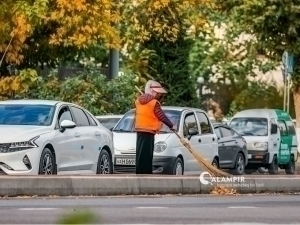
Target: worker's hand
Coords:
[(174, 128)]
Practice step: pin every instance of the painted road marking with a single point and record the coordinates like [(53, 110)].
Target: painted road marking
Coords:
[(151, 207), (242, 207), (34, 209)]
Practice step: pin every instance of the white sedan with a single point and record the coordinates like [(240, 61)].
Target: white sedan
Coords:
[(52, 137)]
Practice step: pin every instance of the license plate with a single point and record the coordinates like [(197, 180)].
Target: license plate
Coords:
[(249, 156), (125, 161)]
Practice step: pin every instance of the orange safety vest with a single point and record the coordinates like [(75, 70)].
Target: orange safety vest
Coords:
[(145, 119)]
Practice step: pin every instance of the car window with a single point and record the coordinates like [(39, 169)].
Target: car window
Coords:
[(226, 132), (283, 128), (92, 121), (250, 126), (189, 122), (204, 123), (109, 122), (64, 114), (217, 130), (291, 127), (26, 115), (80, 117)]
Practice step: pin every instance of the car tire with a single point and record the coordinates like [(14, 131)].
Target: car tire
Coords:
[(291, 167), (273, 167), (178, 167), (104, 165), (239, 167), (47, 163), (215, 163)]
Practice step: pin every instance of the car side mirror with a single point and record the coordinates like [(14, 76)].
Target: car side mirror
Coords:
[(111, 129), (67, 124), (192, 132), (274, 129)]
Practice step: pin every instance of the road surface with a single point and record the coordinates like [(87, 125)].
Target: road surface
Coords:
[(200, 209)]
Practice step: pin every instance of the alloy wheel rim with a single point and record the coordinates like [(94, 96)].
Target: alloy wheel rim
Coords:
[(240, 164), (104, 165), (178, 169), (47, 165)]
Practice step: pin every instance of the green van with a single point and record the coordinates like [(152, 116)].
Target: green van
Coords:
[(271, 139)]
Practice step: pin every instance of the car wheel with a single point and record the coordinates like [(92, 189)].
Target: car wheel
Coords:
[(215, 163), (291, 167), (239, 168), (178, 167), (273, 167), (104, 163), (47, 163)]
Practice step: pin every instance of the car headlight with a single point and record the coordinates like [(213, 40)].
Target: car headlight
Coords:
[(160, 146), (263, 145), (18, 146)]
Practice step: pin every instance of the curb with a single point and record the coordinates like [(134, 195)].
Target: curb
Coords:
[(138, 185)]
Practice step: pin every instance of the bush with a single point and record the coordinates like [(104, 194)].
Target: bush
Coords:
[(89, 89)]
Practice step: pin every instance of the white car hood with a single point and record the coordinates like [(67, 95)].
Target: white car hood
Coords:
[(126, 142), (9, 133)]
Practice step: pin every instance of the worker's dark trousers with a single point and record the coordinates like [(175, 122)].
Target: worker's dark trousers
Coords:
[(144, 153)]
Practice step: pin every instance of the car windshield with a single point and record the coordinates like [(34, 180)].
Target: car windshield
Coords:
[(126, 123), (108, 122), (250, 126), (33, 115)]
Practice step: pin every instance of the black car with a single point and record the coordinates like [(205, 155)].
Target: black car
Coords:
[(233, 152)]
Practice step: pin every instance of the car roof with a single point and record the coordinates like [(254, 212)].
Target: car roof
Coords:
[(178, 108), (109, 116), (257, 113), (31, 102)]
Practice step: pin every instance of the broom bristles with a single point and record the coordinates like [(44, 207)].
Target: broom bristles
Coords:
[(209, 167)]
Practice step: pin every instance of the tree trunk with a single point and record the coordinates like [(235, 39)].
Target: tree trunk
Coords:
[(296, 93)]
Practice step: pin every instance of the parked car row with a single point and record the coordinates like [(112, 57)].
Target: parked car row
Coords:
[(53, 137)]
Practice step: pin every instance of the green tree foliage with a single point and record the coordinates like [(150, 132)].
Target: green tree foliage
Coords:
[(274, 27), (89, 89)]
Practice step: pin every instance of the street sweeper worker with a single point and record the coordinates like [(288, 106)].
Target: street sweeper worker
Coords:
[(148, 121)]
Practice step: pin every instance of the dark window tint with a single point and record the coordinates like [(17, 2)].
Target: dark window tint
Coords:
[(92, 121), (217, 130), (226, 132), (189, 122), (204, 123), (282, 127), (291, 127), (80, 117)]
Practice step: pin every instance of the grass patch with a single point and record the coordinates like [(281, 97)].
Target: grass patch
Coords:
[(79, 217)]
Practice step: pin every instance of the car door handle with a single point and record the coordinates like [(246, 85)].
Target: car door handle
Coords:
[(97, 134), (77, 134), (199, 140)]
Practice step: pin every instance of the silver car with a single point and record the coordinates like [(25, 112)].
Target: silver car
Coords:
[(170, 156), (109, 121)]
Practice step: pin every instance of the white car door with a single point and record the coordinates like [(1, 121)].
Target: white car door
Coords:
[(90, 141), (67, 143), (207, 138), (189, 121)]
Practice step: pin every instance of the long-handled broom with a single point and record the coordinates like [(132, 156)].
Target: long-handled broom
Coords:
[(208, 166)]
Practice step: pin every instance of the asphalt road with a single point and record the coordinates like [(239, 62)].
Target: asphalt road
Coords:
[(272, 209)]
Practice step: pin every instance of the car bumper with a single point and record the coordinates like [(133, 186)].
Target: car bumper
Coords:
[(14, 163), (258, 157), (161, 164)]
